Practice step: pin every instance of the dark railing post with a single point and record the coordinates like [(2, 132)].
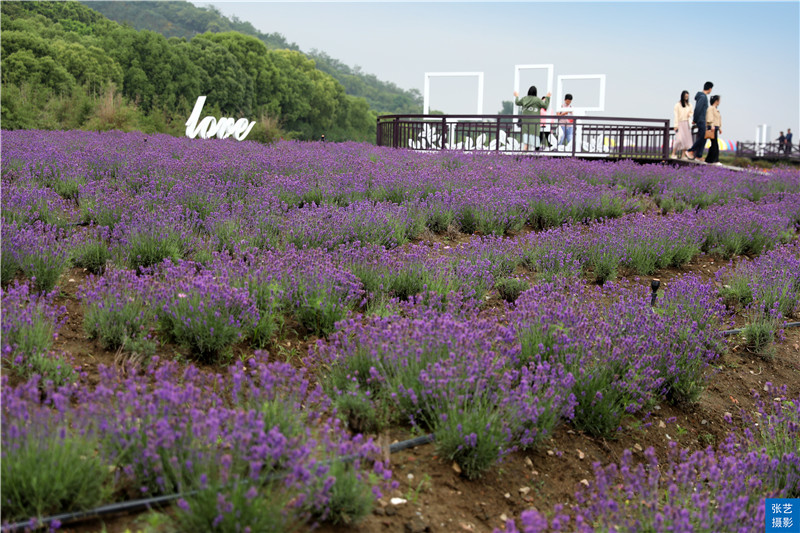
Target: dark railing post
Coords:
[(396, 133), (574, 134), (497, 135), (665, 144), (444, 132), (378, 134)]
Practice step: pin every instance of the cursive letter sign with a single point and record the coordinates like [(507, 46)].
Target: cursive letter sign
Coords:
[(209, 126)]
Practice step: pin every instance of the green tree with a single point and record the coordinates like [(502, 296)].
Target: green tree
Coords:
[(226, 83), (183, 19), (23, 65), (64, 65), (90, 66)]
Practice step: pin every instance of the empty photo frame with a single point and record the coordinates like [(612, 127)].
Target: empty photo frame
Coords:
[(578, 109), (426, 93)]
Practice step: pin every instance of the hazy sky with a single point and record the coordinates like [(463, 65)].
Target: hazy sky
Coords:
[(649, 51)]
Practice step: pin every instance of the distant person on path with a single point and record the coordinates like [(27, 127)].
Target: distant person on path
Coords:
[(683, 131), (714, 122), (781, 143), (788, 142), (567, 123), (700, 108), (531, 104)]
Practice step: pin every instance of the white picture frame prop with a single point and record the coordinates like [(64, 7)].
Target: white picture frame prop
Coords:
[(582, 109), (549, 67), (426, 92)]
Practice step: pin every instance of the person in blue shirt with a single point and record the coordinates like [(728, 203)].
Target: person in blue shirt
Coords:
[(700, 109)]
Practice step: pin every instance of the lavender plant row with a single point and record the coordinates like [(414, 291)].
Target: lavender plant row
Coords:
[(721, 490), (335, 173), (210, 244), (30, 323), (640, 243), (644, 244), (163, 197), (260, 440), (485, 388), (251, 294), (768, 291), (677, 188), (771, 281)]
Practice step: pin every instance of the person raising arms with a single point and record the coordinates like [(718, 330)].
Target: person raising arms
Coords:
[(531, 105)]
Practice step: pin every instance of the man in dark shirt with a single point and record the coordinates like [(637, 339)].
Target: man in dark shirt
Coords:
[(700, 108), (781, 143), (787, 144)]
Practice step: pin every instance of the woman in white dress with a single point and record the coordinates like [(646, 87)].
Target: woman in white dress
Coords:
[(683, 130)]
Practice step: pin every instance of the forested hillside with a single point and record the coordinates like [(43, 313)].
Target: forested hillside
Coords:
[(183, 19), (178, 18), (65, 65)]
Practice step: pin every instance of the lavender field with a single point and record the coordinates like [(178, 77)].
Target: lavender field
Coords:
[(248, 328)]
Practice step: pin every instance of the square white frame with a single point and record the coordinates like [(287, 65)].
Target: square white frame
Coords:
[(426, 93), (581, 109), (549, 67)]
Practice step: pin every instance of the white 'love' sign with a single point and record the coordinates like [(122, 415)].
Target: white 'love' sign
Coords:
[(209, 126)]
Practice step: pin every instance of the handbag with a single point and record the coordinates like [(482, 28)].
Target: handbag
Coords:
[(710, 133)]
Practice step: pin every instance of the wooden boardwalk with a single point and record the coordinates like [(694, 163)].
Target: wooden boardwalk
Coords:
[(547, 136)]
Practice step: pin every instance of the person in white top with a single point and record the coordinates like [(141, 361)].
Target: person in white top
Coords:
[(566, 110), (683, 132)]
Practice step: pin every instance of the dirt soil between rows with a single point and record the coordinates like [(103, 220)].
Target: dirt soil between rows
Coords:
[(436, 498)]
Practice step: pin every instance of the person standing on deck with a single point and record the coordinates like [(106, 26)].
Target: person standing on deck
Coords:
[(700, 109), (531, 105), (714, 122), (683, 132), (567, 123)]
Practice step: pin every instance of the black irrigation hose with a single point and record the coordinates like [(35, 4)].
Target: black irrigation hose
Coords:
[(741, 330), (147, 503), (112, 508), (411, 443)]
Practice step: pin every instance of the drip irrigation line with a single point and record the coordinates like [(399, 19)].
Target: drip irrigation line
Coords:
[(411, 443), (741, 330), (147, 503), (112, 508)]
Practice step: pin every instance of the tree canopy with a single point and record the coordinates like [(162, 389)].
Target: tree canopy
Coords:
[(184, 19), (57, 50)]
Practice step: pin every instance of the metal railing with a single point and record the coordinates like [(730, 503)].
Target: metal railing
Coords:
[(771, 150), (577, 136)]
